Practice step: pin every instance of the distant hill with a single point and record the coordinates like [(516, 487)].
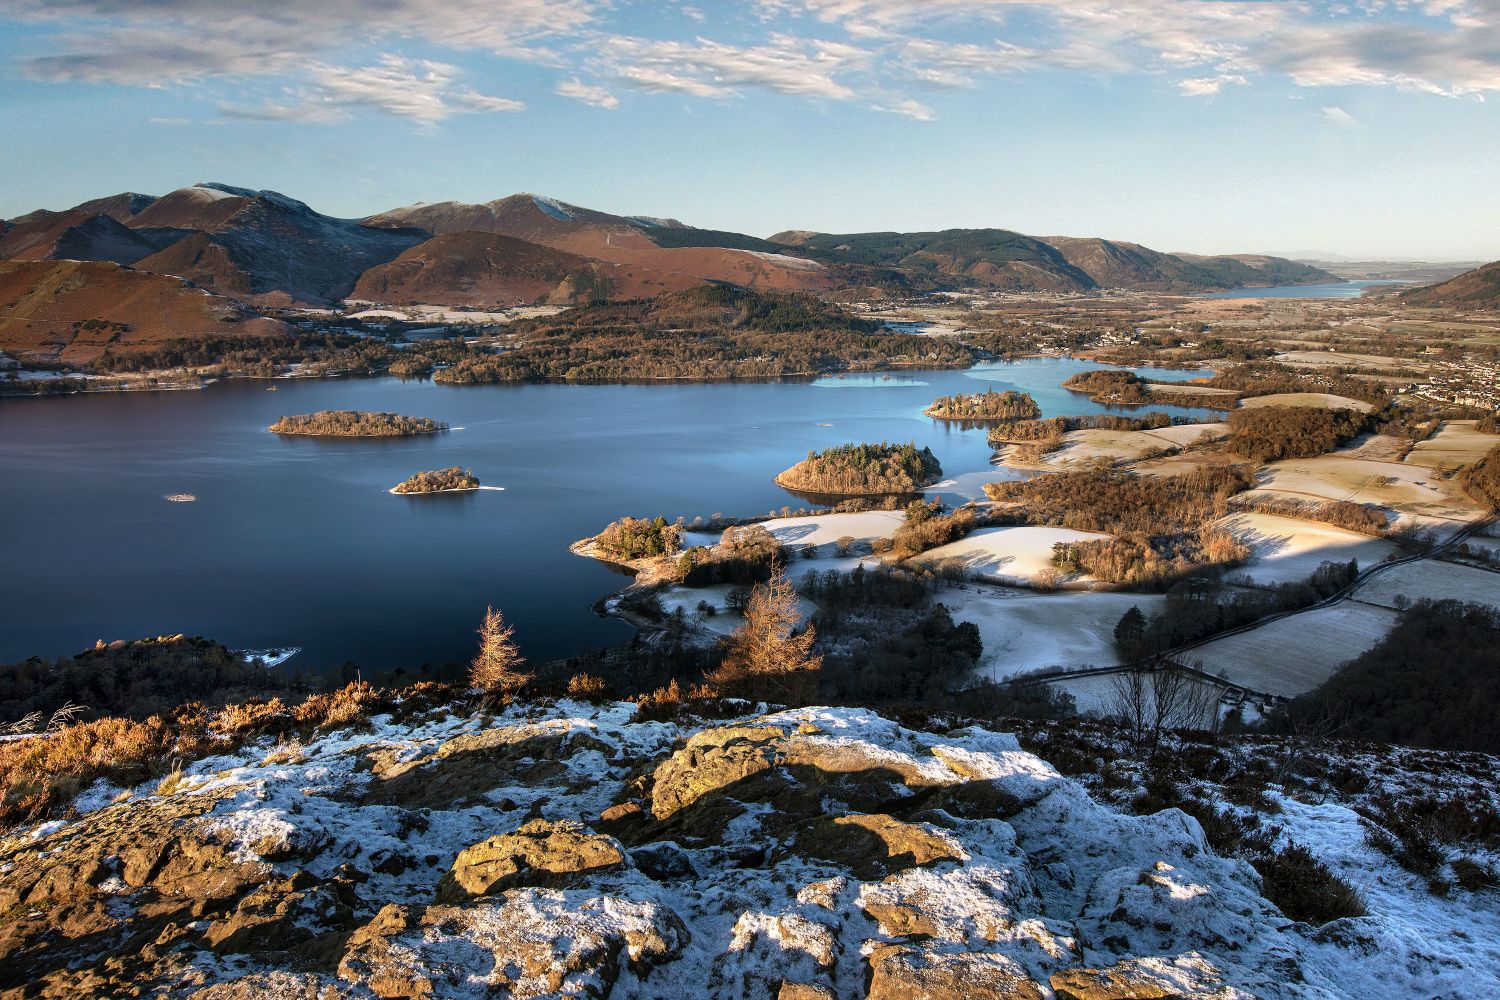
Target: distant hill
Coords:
[(72, 311), (487, 269), (1479, 287), (1007, 260), (642, 243), (266, 247)]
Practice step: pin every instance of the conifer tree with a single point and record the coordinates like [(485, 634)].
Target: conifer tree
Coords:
[(497, 667), (768, 658)]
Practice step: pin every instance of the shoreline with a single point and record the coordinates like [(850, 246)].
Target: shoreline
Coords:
[(452, 489)]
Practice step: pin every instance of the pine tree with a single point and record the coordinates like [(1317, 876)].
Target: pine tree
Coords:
[(497, 668), (767, 658), (1130, 632)]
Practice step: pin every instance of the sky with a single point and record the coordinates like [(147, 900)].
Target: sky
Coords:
[(1365, 128)]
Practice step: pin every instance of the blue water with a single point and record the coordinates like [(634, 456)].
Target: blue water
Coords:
[(295, 542), (1342, 290)]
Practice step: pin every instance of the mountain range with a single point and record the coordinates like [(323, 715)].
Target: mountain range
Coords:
[(253, 250)]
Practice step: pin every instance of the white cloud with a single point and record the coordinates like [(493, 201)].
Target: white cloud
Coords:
[(907, 108), (1202, 86), (596, 97), (881, 54), (1340, 117), (421, 90)]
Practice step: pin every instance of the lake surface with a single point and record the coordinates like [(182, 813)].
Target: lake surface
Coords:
[(1342, 290), (295, 541)]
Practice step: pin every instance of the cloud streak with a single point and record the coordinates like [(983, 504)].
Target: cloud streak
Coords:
[(890, 56)]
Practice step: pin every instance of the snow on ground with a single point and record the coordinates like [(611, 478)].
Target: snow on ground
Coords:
[(1289, 549), (1417, 944), (1323, 399), (785, 260), (1456, 443), (1096, 695), (741, 896), (1295, 654), (1339, 359), (1186, 388), (1431, 579), (1417, 494), (821, 530), (1010, 555), (1092, 444), (1023, 630)]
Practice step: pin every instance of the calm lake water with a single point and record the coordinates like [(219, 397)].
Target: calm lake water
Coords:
[(296, 542), (1342, 290)]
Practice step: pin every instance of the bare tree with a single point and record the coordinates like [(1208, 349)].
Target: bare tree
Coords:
[(1150, 699), (768, 658), (497, 667)]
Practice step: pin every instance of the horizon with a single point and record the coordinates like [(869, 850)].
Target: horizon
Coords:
[(1205, 128)]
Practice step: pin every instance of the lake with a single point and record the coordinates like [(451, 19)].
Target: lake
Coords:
[(295, 541), (1342, 290)]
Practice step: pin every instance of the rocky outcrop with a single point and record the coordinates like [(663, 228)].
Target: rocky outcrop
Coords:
[(573, 850), (539, 853)]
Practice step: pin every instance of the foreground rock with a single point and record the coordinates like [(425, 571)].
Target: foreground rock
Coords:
[(569, 850)]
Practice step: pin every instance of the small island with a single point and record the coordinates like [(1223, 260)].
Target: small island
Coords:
[(450, 480), (355, 423), (862, 469), (990, 406)]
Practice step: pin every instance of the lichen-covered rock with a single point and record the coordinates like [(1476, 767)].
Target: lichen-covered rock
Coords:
[(530, 943), (1187, 977), (712, 760), (909, 972), (872, 846), (539, 853)]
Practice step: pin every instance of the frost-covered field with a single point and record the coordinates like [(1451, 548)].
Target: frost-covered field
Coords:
[(1093, 444), (1416, 493), (1433, 580), (1013, 555), (1289, 549), (1296, 653), (563, 849), (821, 530), (1024, 631), (1326, 400), (1456, 443)]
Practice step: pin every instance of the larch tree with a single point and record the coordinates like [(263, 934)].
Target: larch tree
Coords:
[(767, 658), (497, 667)]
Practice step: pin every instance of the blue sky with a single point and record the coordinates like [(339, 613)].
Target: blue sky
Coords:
[(1366, 128)]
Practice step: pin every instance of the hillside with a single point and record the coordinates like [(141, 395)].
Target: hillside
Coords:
[(72, 311), (568, 849), (1015, 262), (1479, 287), (34, 236), (473, 268), (266, 247), (643, 244)]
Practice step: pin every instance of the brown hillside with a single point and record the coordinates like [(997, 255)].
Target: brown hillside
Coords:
[(488, 269), (203, 262), (70, 311), (612, 238), (1479, 287), (34, 236)]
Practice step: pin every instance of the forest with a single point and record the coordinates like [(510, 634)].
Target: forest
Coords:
[(135, 680), (355, 423), (439, 481), (1482, 479), (632, 538), (864, 468), (985, 406), (1273, 433), (1160, 521), (1433, 681)]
